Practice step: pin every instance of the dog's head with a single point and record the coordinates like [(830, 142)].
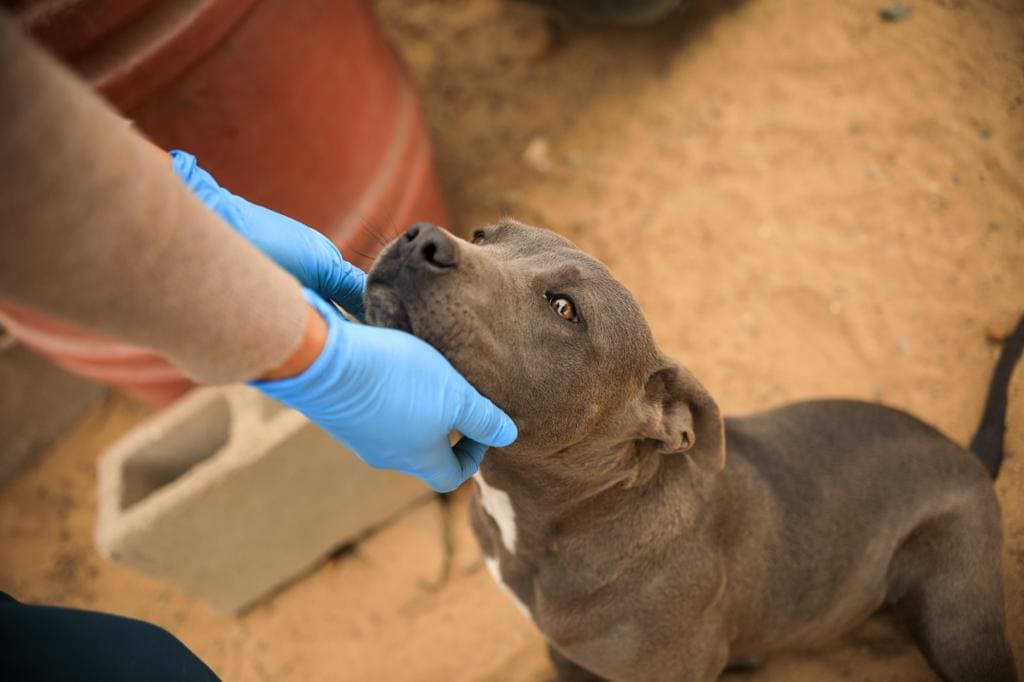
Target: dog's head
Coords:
[(551, 337)]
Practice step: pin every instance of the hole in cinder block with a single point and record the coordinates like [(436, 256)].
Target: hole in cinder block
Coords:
[(179, 449)]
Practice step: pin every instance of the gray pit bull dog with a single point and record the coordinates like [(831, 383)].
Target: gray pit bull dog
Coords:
[(649, 538)]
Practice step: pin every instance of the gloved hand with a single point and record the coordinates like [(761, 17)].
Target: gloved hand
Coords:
[(393, 398), (311, 257), (387, 395)]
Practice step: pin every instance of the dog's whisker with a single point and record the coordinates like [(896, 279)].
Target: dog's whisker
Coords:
[(361, 254), (368, 228)]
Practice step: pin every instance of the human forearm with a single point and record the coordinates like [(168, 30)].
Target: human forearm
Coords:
[(98, 230)]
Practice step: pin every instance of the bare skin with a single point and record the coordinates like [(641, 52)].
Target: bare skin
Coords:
[(649, 538)]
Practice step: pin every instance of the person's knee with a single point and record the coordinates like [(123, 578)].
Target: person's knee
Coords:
[(154, 653), (46, 642)]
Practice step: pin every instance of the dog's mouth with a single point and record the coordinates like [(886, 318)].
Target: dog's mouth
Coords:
[(384, 307)]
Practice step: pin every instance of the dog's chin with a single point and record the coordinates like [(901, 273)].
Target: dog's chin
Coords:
[(384, 308)]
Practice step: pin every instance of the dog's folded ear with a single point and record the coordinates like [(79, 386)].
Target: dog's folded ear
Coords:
[(680, 416)]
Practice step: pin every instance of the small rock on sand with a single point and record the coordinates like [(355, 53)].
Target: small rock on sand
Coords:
[(538, 155), (997, 332), (897, 11)]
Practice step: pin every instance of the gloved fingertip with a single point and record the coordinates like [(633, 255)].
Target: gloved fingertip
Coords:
[(183, 164), (205, 188), (348, 287), (507, 432), (484, 421), (470, 454), (353, 280), (441, 484)]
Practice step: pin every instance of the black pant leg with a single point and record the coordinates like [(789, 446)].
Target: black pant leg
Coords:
[(43, 643)]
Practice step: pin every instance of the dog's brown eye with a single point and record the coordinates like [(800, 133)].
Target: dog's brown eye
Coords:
[(564, 307), (478, 237)]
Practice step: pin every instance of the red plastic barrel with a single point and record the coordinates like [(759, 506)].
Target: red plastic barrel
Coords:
[(299, 105), (134, 370)]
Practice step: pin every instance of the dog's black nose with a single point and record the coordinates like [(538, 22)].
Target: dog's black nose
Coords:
[(431, 247)]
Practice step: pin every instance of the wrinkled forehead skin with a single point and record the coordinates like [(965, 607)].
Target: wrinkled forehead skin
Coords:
[(491, 316)]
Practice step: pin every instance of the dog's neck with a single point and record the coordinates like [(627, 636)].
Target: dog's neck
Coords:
[(546, 495)]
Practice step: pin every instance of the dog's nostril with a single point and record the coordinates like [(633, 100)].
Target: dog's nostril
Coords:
[(438, 253), (417, 230)]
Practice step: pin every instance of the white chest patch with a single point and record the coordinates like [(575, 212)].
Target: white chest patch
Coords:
[(498, 505), (495, 570)]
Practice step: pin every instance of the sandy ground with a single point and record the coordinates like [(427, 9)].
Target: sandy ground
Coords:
[(806, 200)]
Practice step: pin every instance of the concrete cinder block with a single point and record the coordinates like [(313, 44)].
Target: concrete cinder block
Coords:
[(38, 402), (229, 495)]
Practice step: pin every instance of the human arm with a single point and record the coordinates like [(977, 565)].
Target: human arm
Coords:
[(97, 229)]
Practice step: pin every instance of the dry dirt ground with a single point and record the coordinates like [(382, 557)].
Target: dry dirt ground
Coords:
[(806, 200)]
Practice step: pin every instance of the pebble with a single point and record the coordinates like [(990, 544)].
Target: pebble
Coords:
[(576, 158), (897, 11), (997, 332), (535, 37), (538, 155)]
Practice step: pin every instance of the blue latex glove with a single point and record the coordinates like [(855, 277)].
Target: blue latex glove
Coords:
[(393, 398), (311, 257), (387, 395)]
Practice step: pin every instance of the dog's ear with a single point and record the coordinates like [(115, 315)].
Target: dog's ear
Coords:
[(681, 416)]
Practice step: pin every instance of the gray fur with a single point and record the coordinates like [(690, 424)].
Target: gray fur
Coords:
[(643, 550)]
